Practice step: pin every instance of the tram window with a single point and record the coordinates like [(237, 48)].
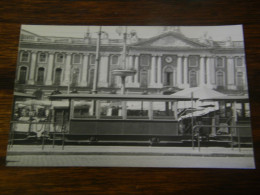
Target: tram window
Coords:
[(243, 111), (247, 110), (163, 110), (61, 115), (111, 109), (137, 109), (83, 109)]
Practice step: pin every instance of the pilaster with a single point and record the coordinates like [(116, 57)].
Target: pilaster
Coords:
[(67, 68), (83, 82), (185, 72), (32, 68), (202, 71), (50, 69), (179, 71)]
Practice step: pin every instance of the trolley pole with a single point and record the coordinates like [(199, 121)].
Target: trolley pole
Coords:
[(124, 48), (123, 77), (192, 122), (97, 62), (95, 83)]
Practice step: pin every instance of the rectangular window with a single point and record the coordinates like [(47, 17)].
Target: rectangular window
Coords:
[(76, 59), (239, 61), (42, 58), (240, 79), (163, 110), (83, 109), (110, 109), (219, 62), (92, 59), (60, 58), (114, 59), (145, 60), (137, 109), (24, 57), (193, 61)]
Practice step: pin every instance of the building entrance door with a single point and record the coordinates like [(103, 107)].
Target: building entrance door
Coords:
[(168, 77)]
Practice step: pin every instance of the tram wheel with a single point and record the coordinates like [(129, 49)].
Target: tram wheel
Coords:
[(92, 139), (155, 140)]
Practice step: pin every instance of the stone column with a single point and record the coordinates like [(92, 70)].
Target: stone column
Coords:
[(67, 69), (185, 72), (32, 68), (50, 69), (212, 71), (230, 73), (83, 82), (202, 71), (131, 66), (179, 71), (103, 70), (137, 69), (208, 64), (131, 62), (152, 81), (159, 70)]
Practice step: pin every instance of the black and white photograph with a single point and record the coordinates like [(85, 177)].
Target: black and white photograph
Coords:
[(131, 96)]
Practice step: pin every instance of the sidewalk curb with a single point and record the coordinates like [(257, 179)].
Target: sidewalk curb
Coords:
[(16, 153)]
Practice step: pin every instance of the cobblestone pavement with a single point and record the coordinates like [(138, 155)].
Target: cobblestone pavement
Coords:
[(111, 156)]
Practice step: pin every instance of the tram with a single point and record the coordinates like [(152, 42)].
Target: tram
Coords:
[(133, 119), (119, 118)]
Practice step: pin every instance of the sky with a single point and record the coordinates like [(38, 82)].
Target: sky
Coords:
[(218, 33)]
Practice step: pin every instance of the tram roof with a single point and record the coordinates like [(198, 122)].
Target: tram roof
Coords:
[(20, 94), (120, 97), (206, 94), (227, 98)]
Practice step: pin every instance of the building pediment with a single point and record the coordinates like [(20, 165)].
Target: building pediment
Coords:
[(170, 40), (28, 36)]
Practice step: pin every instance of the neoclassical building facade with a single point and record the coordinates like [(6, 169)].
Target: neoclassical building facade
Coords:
[(169, 61)]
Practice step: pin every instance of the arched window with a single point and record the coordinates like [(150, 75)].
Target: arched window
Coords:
[(220, 79), (193, 78), (22, 75), (75, 77), (168, 76), (24, 56), (57, 79), (40, 76), (143, 78)]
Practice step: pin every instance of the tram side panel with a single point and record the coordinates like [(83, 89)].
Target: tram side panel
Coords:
[(127, 128)]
